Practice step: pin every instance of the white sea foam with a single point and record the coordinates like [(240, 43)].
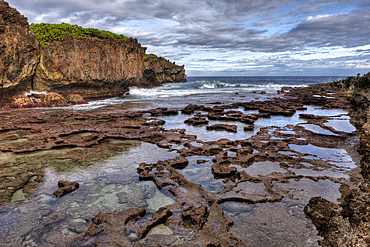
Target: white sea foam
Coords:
[(34, 92), (203, 89), (161, 92)]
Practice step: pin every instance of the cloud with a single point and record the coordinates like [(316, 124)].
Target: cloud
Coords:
[(345, 30), (213, 24), (224, 30)]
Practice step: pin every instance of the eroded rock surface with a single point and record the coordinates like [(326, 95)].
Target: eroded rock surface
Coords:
[(19, 50), (253, 171), (347, 223)]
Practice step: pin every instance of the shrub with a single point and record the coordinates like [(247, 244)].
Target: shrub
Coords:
[(47, 33), (153, 56)]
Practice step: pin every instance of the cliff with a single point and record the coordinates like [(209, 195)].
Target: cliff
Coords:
[(90, 65), (160, 70), (19, 50)]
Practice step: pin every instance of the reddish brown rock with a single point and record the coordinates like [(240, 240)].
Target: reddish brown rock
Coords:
[(113, 223), (215, 232), (249, 128), (65, 188), (195, 218), (336, 229), (158, 217), (189, 109), (162, 112), (227, 127), (196, 121), (311, 116)]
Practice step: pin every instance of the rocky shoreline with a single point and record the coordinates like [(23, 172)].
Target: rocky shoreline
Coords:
[(66, 137), (347, 224)]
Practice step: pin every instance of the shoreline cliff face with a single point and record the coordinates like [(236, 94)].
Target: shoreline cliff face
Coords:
[(89, 66), (19, 50)]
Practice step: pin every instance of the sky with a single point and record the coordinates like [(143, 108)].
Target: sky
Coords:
[(230, 37)]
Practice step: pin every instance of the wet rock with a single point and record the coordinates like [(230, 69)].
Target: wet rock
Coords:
[(158, 217), (162, 112), (189, 109), (195, 218), (65, 188), (133, 114), (311, 116), (155, 123), (113, 223), (227, 127), (215, 231), (249, 128), (326, 216), (196, 121)]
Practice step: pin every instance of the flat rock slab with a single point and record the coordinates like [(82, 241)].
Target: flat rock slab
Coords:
[(227, 127)]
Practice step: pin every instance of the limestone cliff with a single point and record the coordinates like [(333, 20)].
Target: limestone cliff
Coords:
[(19, 50), (87, 65)]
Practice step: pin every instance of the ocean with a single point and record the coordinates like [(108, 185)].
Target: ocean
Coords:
[(203, 90)]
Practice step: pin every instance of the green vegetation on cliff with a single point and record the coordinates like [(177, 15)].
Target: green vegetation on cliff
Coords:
[(155, 57), (47, 33)]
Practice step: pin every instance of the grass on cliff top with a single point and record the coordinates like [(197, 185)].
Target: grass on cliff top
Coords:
[(47, 33), (155, 57)]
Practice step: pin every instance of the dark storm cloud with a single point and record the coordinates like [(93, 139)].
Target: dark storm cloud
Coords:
[(215, 24), (277, 63), (346, 30), (363, 51), (178, 29)]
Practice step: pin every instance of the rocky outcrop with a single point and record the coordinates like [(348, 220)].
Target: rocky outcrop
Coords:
[(85, 65), (360, 113), (347, 223), (160, 70), (19, 50)]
